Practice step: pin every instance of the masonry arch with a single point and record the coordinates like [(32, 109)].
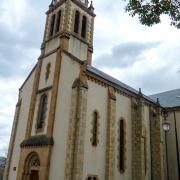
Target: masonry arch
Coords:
[(31, 167)]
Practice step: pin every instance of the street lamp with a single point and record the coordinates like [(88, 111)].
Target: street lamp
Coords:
[(166, 128)]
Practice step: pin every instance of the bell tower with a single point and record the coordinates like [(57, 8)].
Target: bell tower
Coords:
[(70, 25)]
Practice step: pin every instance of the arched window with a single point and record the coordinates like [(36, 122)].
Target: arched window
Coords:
[(122, 146), (52, 25), (94, 139), (42, 111), (76, 22), (58, 22), (84, 25)]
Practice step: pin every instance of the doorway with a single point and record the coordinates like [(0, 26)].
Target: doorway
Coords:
[(34, 175), (32, 167)]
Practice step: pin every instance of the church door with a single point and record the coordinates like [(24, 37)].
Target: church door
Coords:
[(34, 175), (31, 167)]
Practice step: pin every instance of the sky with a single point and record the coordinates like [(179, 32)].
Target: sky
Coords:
[(140, 56)]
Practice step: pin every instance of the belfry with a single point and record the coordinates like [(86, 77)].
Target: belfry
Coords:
[(74, 122), (70, 24)]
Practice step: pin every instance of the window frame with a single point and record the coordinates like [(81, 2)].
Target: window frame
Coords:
[(77, 17), (122, 145), (52, 25), (95, 128), (58, 21), (42, 109), (84, 26)]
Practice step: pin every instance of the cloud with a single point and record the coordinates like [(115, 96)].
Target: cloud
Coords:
[(155, 72), (21, 33), (125, 54), (137, 55)]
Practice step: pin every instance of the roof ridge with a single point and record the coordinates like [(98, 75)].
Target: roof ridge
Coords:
[(164, 92), (117, 82)]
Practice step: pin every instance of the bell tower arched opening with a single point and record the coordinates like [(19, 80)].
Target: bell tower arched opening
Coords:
[(70, 26)]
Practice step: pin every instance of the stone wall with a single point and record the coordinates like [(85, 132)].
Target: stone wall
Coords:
[(157, 145)]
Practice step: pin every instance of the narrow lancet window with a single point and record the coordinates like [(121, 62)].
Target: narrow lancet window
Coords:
[(84, 27), (122, 146), (76, 22), (94, 139), (42, 111), (52, 25), (58, 22)]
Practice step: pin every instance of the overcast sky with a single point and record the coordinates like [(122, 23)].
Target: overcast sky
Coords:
[(146, 57)]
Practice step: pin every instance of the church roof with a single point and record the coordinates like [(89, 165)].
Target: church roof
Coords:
[(169, 98), (120, 85)]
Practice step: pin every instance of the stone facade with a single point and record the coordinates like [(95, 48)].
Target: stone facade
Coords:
[(44, 157), (110, 148), (75, 90), (75, 145), (137, 140), (157, 145)]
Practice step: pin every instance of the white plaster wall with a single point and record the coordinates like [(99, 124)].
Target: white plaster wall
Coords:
[(123, 110), (52, 45), (78, 48), (171, 143), (42, 82), (147, 127), (178, 128), (95, 157), (21, 126), (69, 72)]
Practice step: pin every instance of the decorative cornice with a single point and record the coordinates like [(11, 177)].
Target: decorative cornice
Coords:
[(79, 83), (78, 3), (37, 141), (28, 77), (171, 109), (67, 35), (111, 92), (44, 89), (52, 8), (118, 89)]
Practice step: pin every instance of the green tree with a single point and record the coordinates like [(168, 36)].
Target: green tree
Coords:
[(150, 11)]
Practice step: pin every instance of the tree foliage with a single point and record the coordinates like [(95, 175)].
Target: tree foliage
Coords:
[(150, 11)]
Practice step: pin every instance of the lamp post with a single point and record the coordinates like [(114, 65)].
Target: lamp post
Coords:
[(166, 128), (177, 146)]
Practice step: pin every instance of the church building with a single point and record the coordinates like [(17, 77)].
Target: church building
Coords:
[(74, 122)]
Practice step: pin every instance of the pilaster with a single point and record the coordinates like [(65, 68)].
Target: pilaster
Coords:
[(33, 99), (138, 166), (110, 147), (52, 109), (76, 132), (12, 140), (89, 55), (156, 145)]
